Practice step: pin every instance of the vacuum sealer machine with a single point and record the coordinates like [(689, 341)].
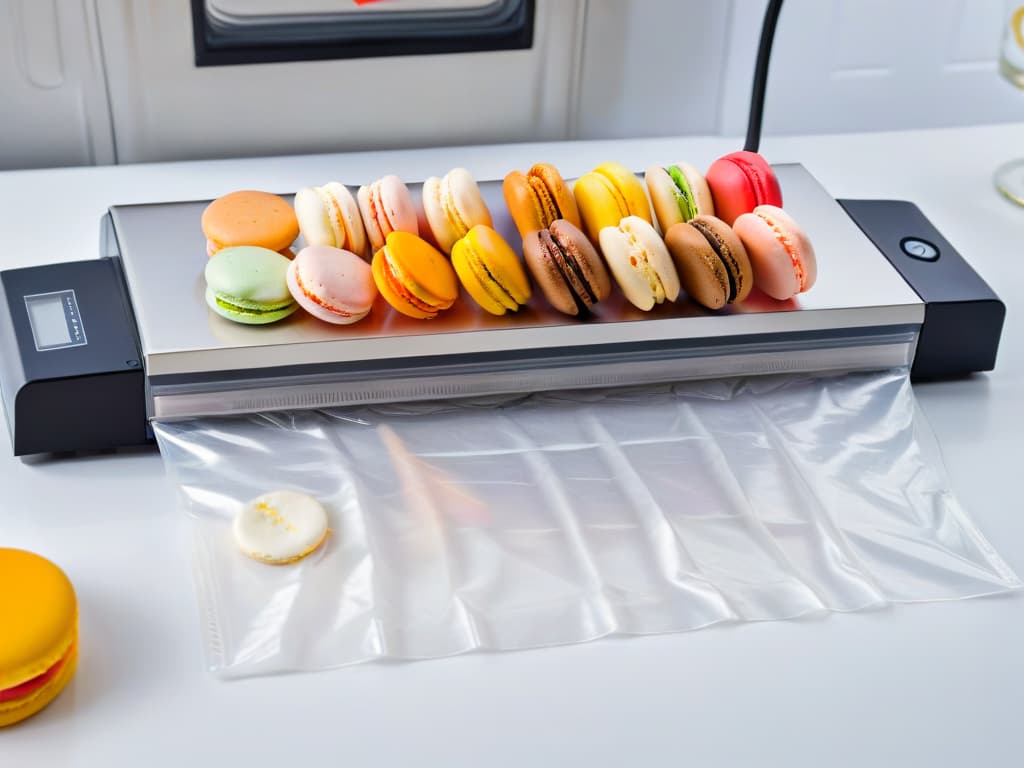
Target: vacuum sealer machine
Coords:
[(90, 351)]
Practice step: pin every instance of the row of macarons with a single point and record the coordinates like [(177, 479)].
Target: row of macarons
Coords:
[(695, 250)]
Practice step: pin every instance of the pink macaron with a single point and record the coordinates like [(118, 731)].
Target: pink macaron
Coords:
[(332, 284), (386, 207), (780, 251)]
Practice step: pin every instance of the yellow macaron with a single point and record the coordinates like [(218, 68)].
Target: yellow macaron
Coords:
[(39, 637), (607, 195), (490, 271)]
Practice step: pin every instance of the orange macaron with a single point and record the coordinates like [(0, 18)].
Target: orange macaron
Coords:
[(414, 277), (539, 197), (249, 217), (38, 633)]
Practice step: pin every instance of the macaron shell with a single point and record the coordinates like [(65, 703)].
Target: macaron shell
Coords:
[(453, 205), (539, 197), (732, 251), (386, 206), (640, 263), (629, 186), (739, 182), (38, 616), (547, 176), (701, 273), (663, 192), (255, 275), (540, 259), (423, 276), (566, 266), (329, 215), (490, 271), (607, 195), (331, 284), (395, 293), (588, 262), (777, 246), (280, 527), (250, 217), (19, 709)]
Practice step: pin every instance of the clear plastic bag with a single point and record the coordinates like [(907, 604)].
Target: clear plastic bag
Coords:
[(510, 523)]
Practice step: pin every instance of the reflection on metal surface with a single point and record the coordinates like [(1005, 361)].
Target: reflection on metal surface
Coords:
[(163, 252)]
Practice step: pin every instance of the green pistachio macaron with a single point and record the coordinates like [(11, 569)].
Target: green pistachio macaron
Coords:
[(247, 284)]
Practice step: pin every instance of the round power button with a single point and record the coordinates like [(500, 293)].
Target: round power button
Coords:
[(916, 248)]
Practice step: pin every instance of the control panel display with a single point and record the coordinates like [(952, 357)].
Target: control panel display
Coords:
[(55, 320)]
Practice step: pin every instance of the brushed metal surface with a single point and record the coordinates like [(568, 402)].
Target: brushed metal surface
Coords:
[(164, 254)]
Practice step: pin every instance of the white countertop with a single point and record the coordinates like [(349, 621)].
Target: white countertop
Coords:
[(929, 684)]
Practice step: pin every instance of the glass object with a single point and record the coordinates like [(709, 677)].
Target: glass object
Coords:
[(1009, 177)]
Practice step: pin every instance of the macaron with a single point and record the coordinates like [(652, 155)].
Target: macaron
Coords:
[(607, 195), (414, 277), (739, 182), (386, 207), (639, 260), (280, 527), (249, 285), (538, 197), (780, 252), (678, 193), (38, 633), (329, 215), (712, 262), (490, 271), (453, 205), (332, 284), (249, 217), (567, 268)]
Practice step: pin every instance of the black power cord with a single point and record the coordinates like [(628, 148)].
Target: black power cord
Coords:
[(764, 53)]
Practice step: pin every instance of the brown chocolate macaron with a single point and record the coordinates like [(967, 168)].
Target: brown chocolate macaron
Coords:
[(713, 265), (566, 267)]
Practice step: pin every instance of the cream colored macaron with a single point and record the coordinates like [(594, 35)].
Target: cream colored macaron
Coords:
[(280, 527), (640, 262)]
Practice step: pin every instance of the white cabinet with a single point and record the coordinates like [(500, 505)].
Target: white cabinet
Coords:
[(863, 65), (52, 91), (166, 108)]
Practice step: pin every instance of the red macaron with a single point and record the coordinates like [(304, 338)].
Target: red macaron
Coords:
[(741, 181)]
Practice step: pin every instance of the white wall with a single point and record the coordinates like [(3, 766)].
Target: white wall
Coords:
[(94, 81)]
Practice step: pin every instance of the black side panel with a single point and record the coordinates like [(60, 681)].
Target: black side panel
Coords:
[(84, 413), (963, 317)]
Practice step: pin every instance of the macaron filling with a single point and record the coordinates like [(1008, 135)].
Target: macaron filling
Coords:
[(683, 194), (790, 249), (547, 208), (639, 261), (613, 190), (408, 289), (27, 688), (722, 251), (335, 217), (491, 284), (244, 307), (377, 211), (569, 270), (451, 210)]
